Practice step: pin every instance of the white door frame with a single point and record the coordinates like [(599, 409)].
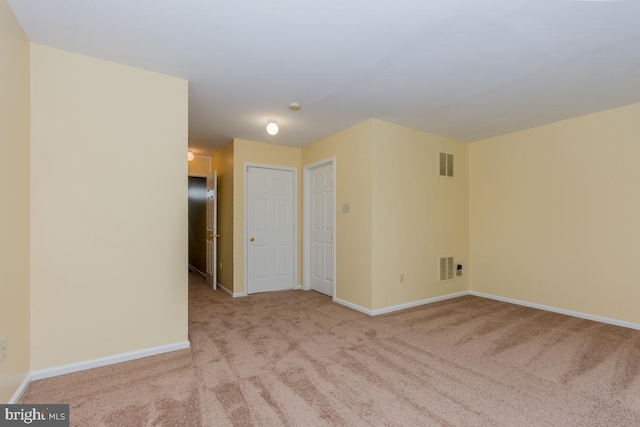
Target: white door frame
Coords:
[(306, 209), (212, 231), (246, 220)]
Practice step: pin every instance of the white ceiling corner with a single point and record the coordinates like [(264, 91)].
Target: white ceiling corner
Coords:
[(466, 69)]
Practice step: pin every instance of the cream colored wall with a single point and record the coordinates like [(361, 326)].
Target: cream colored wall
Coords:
[(200, 165), (258, 152), (353, 151), (418, 216), (14, 215), (223, 163), (554, 214), (108, 208)]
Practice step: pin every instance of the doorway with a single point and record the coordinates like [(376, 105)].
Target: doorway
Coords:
[(198, 224), (319, 229), (270, 228), (202, 228)]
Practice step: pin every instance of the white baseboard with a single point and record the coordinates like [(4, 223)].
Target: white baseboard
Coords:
[(398, 307), (195, 270), (298, 287), (104, 361), (353, 306), (231, 294), (587, 316), (20, 391), (223, 289)]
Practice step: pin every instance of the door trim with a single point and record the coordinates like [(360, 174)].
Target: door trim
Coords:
[(245, 220), (306, 233), (212, 222)]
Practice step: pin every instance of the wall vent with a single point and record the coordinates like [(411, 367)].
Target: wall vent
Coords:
[(446, 165), (446, 269)]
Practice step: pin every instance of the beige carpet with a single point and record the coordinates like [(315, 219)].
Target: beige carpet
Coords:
[(296, 358)]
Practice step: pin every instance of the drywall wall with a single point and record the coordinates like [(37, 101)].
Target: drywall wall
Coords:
[(108, 208), (200, 165), (418, 216), (223, 163), (354, 176), (554, 214), (269, 154), (14, 214)]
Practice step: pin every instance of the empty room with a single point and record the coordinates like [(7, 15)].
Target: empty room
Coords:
[(335, 213)]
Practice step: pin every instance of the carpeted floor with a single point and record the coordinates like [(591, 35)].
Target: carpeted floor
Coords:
[(295, 358)]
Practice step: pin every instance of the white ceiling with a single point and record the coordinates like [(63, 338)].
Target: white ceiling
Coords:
[(467, 69)]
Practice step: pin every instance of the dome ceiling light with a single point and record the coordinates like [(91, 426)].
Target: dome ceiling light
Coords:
[(272, 128)]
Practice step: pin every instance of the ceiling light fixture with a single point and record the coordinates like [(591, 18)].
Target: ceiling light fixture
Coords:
[(190, 156), (272, 127), (295, 106)]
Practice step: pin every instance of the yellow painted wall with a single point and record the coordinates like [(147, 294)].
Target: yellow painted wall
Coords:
[(223, 163), (14, 214), (200, 165), (354, 175), (258, 152), (554, 214), (418, 216), (108, 208)]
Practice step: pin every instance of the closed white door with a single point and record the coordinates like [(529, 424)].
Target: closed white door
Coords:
[(270, 229), (322, 220), (212, 229)]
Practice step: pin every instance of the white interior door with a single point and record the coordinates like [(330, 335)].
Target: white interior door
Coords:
[(322, 219), (212, 229), (270, 229)]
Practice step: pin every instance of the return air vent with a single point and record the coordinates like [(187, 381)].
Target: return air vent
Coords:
[(446, 165), (446, 269)]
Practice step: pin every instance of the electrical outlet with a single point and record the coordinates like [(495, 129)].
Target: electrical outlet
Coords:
[(401, 277), (3, 350)]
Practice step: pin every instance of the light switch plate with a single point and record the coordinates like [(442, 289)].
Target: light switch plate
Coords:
[(346, 208)]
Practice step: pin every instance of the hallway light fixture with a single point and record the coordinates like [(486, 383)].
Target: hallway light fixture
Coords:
[(190, 156), (272, 127)]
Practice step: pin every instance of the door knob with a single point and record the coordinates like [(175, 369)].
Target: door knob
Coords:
[(251, 239)]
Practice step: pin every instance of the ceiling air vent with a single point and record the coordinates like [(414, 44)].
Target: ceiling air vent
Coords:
[(446, 165), (446, 269)]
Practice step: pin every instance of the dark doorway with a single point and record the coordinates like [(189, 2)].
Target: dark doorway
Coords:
[(198, 224)]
